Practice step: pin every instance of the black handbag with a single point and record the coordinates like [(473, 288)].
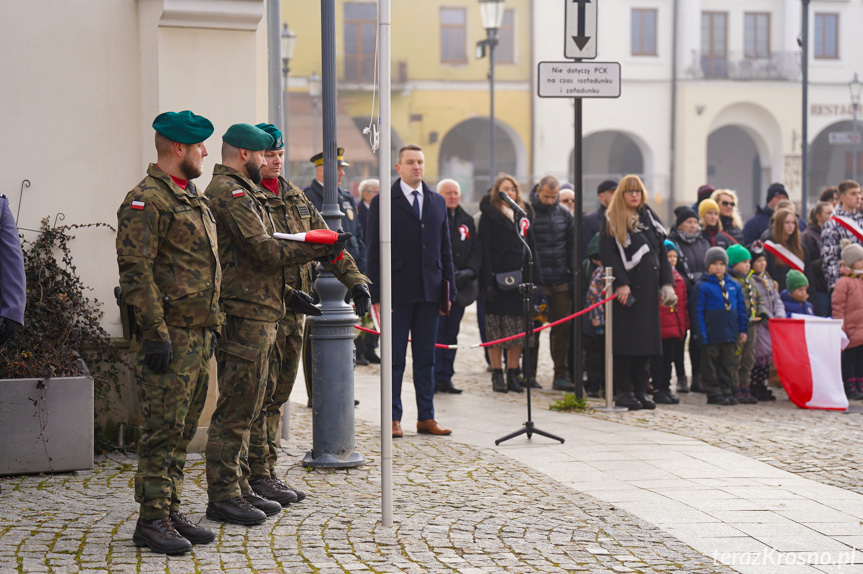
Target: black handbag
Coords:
[(508, 280)]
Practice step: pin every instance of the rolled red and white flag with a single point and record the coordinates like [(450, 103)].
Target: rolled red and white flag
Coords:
[(850, 225), (807, 354), (785, 255), (324, 236)]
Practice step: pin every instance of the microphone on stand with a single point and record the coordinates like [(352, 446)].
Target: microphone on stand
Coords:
[(513, 205)]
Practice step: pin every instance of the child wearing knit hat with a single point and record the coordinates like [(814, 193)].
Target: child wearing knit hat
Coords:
[(721, 323), (796, 293), (674, 323), (739, 268), (848, 306), (774, 307)]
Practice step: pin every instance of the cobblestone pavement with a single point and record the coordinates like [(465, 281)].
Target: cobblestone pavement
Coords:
[(458, 509), (825, 446)]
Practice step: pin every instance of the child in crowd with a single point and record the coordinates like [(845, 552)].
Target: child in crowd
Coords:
[(739, 262), (848, 306), (722, 324), (795, 296), (593, 328), (774, 308), (674, 322)]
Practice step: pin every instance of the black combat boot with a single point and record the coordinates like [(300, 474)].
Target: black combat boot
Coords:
[(160, 536), (191, 531), (236, 511)]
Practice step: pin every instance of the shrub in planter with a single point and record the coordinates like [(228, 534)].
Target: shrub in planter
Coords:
[(62, 337)]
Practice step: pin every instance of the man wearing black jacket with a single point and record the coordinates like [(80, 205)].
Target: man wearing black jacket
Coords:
[(553, 229), (466, 258)]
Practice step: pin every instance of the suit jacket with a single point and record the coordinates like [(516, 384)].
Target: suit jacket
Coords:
[(13, 286), (421, 250)]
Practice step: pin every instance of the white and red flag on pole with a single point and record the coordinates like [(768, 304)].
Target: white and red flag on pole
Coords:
[(785, 255), (325, 236), (807, 354), (322, 236), (850, 225)]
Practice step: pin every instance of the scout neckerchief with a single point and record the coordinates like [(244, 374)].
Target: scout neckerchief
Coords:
[(725, 294)]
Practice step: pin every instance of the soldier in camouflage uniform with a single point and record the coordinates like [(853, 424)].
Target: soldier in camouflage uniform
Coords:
[(253, 293), (169, 271), (295, 214)]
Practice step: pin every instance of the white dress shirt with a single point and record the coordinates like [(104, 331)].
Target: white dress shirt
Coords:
[(409, 194)]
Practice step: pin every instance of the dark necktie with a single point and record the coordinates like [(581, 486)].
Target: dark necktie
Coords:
[(416, 203)]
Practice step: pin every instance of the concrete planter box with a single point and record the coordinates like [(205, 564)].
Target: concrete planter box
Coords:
[(48, 429)]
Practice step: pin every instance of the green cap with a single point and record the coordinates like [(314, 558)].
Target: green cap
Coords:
[(183, 127), (247, 136), (276, 133), (795, 280), (736, 254)]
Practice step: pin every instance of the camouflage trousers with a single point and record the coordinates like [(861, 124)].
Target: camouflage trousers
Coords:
[(242, 358), (283, 367), (171, 404)]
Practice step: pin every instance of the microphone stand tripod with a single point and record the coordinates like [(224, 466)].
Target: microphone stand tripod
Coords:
[(527, 290)]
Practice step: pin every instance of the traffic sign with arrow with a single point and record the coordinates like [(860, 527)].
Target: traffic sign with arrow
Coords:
[(580, 30)]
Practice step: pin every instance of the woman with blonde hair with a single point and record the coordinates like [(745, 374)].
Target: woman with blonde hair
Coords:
[(729, 214), (785, 233), (631, 242), (504, 267)]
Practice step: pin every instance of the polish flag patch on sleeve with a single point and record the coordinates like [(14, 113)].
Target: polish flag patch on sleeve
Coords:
[(138, 205), (238, 193)]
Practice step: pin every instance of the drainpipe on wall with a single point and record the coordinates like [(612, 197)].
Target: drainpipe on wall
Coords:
[(672, 197)]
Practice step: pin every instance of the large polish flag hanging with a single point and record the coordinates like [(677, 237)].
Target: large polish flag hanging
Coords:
[(807, 354)]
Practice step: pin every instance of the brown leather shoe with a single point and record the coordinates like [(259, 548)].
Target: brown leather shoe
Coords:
[(397, 429), (431, 426)]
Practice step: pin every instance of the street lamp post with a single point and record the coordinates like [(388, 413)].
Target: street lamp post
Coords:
[(855, 87), (492, 18), (315, 96), (289, 41)]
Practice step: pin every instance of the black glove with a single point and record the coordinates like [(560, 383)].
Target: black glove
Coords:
[(7, 329), (362, 299), (158, 355), (214, 340), (338, 247), (304, 304), (488, 291), (462, 276)]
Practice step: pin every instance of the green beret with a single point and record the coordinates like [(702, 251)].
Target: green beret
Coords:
[(736, 254), (247, 136), (183, 127), (318, 158), (276, 134)]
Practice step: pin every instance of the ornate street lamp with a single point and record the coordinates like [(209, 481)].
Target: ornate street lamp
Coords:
[(289, 42), (492, 18)]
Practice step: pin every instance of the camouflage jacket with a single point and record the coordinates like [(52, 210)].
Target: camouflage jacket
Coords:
[(254, 264), (298, 216), (167, 252)]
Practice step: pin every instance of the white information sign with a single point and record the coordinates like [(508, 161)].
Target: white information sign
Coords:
[(844, 138), (580, 31), (578, 80)]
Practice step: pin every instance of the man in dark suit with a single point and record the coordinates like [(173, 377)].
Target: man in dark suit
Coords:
[(421, 262)]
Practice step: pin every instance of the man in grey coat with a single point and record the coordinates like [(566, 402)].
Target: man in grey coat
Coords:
[(13, 286)]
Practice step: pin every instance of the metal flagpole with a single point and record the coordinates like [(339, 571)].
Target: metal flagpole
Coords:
[(386, 318)]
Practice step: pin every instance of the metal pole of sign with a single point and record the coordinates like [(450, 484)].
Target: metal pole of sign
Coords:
[(386, 318), (805, 129), (609, 347)]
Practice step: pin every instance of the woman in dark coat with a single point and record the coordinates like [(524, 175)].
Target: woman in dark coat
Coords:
[(785, 233), (631, 242), (504, 267), (693, 247)]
